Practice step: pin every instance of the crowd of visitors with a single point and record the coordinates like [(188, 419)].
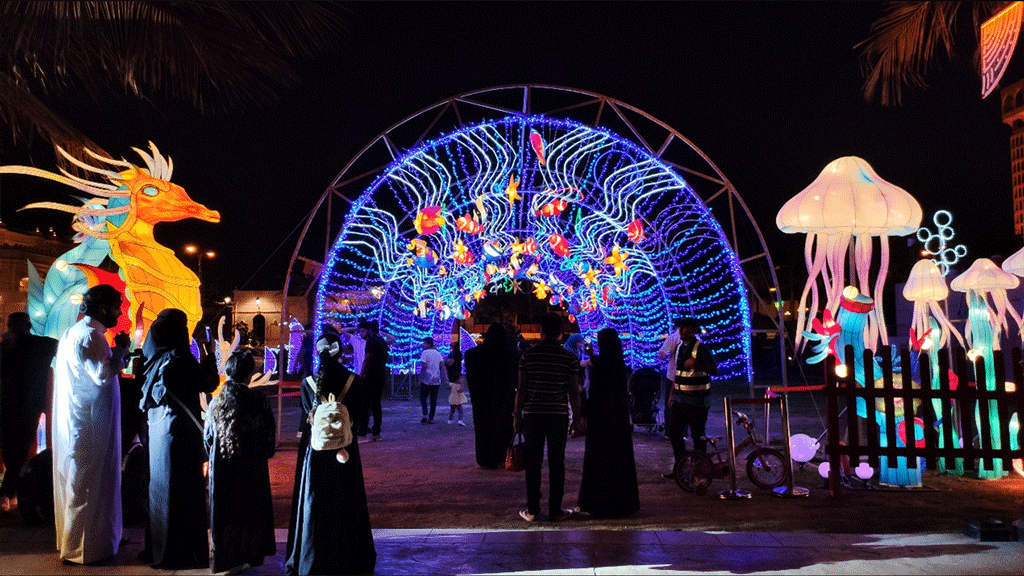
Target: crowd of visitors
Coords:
[(209, 494)]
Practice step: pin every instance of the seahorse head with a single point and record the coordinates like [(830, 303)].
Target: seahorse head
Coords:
[(122, 197)]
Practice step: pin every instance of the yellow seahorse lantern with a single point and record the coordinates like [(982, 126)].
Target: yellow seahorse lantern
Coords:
[(154, 277)]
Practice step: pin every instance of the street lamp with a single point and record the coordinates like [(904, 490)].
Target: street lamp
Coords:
[(199, 254)]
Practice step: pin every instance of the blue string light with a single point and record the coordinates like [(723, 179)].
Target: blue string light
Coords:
[(576, 214)]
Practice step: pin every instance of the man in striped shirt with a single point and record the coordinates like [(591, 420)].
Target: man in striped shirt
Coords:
[(548, 384)]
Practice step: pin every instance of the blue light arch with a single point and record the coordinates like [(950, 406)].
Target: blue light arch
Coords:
[(466, 148)]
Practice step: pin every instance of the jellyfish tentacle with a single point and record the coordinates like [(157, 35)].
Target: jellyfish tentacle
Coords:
[(883, 271), (947, 326), (815, 264)]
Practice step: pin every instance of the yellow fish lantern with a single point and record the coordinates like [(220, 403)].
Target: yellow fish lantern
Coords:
[(512, 190), (429, 220), (589, 274), (618, 260)]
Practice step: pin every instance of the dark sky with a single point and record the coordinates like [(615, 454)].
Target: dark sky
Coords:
[(770, 91)]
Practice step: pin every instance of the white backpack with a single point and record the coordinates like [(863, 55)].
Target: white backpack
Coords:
[(330, 425)]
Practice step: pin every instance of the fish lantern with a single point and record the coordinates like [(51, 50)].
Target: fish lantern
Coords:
[(572, 317), (555, 300), (418, 246), (429, 220), (466, 223), (530, 246), (553, 208), (538, 146), (541, 290), (588, 273), (609, 293), (559, 245), (532, 270), (492, 251), (635, 231), (425, 261)]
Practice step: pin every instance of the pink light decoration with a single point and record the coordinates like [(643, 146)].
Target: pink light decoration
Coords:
[(998, 41)]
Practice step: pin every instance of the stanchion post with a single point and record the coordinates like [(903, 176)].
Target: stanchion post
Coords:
[(732, 493), (788, 491)]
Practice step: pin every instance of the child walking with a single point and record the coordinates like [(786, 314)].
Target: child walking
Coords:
[(457, 396)]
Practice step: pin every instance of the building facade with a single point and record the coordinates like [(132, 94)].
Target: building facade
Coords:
[(1012, 98), (17, 250)]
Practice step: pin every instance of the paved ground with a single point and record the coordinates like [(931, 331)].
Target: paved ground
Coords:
[(435, 511)]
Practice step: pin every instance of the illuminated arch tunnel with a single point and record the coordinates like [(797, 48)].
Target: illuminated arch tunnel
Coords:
[(570, 213)]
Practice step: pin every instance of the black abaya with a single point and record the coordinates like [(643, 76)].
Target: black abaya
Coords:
[(608, 487), (177, 489), (241, 504), (490, 378), (329, 531)]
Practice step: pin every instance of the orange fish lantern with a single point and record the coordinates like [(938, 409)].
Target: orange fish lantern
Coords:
[(553, 208), (468, 224), (538, 146), (530, 246), (462, 255), (589, 274), (635, 231), (429, 220), (559, 245)]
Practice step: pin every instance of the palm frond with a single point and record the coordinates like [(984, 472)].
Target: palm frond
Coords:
[(203, 52), (906, 39)]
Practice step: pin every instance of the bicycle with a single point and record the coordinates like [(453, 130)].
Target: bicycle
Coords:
[(766, 467)]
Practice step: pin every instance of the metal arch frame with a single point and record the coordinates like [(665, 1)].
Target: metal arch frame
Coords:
[(440, 109)]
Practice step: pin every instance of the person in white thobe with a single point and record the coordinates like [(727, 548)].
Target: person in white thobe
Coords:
[(87, 434)]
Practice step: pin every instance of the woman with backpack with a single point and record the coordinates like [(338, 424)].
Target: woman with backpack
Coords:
[(240, 438), (329, 531)]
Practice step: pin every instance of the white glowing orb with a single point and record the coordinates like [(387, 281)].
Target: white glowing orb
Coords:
[(802, 447), (841, 371), (864, 471), (823, 469), (75, 299)]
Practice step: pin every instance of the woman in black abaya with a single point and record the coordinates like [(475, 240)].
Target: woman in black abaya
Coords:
[(329, 531), (176, 538), (240, 437), (608, 487), (491, 379)]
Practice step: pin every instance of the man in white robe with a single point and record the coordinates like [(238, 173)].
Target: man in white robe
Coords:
[(87, 434)]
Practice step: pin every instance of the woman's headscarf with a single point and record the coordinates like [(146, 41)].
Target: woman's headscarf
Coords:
[(573, 343), (169, 330)]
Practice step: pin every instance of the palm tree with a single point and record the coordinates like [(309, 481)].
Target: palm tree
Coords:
[(908, 37), (213, 55)]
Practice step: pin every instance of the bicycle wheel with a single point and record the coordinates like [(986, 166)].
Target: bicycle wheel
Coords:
[(693, 472), (767, 468)]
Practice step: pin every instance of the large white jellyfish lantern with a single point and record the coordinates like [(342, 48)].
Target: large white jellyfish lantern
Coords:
[(841, 211), (929, 333), (984, 280)]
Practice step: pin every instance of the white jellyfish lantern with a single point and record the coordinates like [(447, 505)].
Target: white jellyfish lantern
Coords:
[(841, 212), (981, 282), (926, 288)]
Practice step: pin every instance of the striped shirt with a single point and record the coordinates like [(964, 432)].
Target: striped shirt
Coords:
[(548, 368)]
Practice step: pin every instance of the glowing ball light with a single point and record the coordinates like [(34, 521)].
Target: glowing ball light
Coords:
[(864, 471), (802, 447)]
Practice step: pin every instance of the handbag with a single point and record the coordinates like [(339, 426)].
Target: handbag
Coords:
[(330, 425), (515, 455)]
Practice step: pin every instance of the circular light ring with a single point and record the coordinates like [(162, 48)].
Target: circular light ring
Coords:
[(683, 266)]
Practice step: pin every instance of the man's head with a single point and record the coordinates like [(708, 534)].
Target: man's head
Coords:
[(102, 303), (550, 325), (688, 328), (364, 329), (19, 323), (428, 342)]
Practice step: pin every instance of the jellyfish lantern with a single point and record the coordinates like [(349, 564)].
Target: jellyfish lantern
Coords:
[(929, 333), (984, 280), (841, 212)]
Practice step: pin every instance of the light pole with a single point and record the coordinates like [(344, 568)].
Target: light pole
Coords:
[(199, 254)]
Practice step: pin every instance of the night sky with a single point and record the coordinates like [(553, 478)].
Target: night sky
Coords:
[(770, 91)]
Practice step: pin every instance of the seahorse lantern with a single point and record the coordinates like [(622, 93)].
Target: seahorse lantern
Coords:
[(125, 206)]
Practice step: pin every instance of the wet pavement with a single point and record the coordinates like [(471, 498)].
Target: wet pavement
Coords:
[(434, 511)]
